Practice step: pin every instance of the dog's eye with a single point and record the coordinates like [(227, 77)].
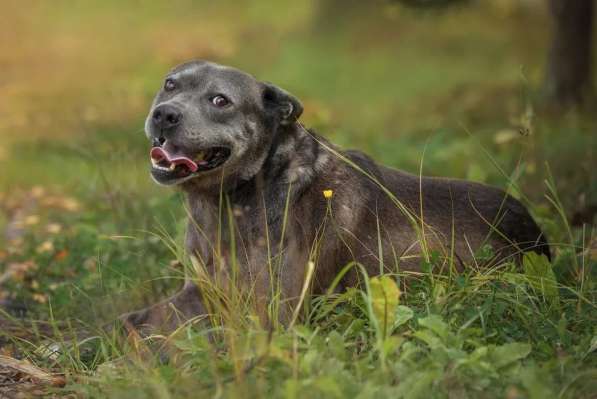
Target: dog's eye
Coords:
[(220, 101), (169, 85)]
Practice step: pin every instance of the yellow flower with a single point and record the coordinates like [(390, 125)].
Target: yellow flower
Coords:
[(328, 194)]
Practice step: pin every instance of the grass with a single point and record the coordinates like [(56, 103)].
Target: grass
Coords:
[(99, 238), (482, 333)]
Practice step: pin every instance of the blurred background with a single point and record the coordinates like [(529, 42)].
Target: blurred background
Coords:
[(497, 91)]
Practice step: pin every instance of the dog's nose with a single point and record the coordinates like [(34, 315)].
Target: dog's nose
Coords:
[(166, 116)]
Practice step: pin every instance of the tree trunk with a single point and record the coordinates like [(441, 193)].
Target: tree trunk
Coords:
[(569, 70)]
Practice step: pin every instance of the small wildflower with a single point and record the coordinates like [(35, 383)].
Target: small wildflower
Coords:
[(328, 194)]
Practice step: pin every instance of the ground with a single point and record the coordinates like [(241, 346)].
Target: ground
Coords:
[(86, 235)]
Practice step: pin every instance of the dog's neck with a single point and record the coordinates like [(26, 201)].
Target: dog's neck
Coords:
[(294, 158)]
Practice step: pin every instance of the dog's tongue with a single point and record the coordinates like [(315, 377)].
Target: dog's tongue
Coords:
[(159, 154)]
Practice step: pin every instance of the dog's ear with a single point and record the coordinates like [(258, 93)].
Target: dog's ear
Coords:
[(284, 106)]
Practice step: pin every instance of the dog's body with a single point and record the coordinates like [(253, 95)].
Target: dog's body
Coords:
[(271, 180)]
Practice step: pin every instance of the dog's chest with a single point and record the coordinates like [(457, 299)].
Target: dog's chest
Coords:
[(241, 230)]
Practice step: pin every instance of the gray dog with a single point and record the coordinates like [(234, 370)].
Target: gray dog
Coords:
[(262, 189)]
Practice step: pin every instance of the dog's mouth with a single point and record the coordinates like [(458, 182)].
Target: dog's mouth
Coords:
[(169, 167)]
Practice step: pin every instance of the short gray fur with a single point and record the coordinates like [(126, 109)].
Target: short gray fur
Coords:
[(272, 157)]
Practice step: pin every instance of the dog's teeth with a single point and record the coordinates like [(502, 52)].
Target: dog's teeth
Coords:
[(172, 167), (154, 162), (200, 155)]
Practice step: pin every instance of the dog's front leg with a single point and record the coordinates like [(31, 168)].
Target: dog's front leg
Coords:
[(166, 316)]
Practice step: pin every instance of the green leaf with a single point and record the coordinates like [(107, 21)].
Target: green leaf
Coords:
[(385, 296), (403, 315), (536, 384), (437, 325), (509, 353), (540, 276), (336, 344), (434, 325), (193, 344), (329, 386), (419, 385), (391, 345), (429, 338), (592, 346)]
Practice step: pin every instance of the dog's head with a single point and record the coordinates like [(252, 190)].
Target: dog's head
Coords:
[(210, 122)]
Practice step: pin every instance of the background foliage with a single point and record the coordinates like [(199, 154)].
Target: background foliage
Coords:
[(457, 92)]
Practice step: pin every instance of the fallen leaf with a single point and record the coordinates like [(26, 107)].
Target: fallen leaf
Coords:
[(37, 191), (71, 204), (66, 203), (15, 243), (30, 370), (53, 228), (17, 271), (40, 298), (31, 220), (61, 255), (44, 247)]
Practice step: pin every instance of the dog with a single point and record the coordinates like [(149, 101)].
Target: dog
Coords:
[(261, 187)]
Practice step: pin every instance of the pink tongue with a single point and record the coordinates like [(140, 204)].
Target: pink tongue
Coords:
[(159, 154)]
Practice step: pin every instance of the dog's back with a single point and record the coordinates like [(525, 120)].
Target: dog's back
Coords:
[(409, 214)]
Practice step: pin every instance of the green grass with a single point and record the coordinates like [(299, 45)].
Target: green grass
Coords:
[(480, 334), (101, 239)]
